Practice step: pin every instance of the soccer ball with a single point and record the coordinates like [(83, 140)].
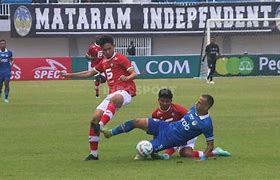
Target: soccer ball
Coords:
[(144, 148)]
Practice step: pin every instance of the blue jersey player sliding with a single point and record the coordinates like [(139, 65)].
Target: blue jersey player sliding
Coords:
[(197, 121), (6, 59)]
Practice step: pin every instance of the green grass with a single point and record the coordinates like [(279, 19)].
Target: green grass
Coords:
[(44, 131)]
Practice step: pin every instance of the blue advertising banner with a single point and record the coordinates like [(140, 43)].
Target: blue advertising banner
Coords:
[(249, 65), (154, 67)]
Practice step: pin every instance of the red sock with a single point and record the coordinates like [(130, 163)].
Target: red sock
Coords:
[(199, 153), (96, 83), (170, 151), (108, 114), (93, 141), (195, 154)]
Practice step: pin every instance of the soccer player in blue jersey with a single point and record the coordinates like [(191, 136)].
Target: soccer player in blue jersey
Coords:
[(197, 121), (6, 59)]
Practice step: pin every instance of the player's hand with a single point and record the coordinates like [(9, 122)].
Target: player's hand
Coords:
[(202, 158), (65, 74), (123, 78)]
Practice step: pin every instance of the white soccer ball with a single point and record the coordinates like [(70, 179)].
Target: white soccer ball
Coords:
[(144, 148)]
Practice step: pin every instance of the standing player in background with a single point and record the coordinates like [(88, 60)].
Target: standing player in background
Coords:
[(6, 60), (212, 52), (94, 54), (120, 75), (170, 112)]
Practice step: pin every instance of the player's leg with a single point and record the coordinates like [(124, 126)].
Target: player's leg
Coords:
[(94, 136), (127, 126), (1, 84), (117, 100), (212, 66), (7, 88), (99, 78)]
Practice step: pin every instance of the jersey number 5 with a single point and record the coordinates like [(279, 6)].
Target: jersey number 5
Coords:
[(109, 73)]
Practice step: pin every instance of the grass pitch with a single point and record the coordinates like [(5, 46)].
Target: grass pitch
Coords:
[(44, 131)]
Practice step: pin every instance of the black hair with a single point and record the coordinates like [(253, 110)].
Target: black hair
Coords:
[(165, 93), (2, 40), (106, 39), (97, 40), (209, 99)]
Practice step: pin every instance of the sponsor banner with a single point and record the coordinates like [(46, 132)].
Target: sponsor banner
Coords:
[(80, 64), (153, 67), (248, 65), (131, 19), (40, 68)]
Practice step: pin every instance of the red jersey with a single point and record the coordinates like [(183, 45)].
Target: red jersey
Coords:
[(174, 113), (95, 52), (114, 68)]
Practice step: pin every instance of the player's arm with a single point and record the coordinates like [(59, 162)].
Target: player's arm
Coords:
[(219, 54), (132, 75), (88, 57), (82, 74), (11, 59), (209, 148)]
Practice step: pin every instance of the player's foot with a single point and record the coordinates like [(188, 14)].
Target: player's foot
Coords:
[(91, 157), (163, 156), (107, 132), (138, 157), (95, 127), (211, 82), (97, 96), (6, 100), (220, 152)]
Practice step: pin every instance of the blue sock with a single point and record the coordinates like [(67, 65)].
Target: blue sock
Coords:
[(6, 93), (123, 128)]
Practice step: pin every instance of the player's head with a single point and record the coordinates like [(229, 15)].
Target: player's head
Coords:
[(2, 44), (107, 45), (204, 103), (212, 40), (97, 40), (165, 98)]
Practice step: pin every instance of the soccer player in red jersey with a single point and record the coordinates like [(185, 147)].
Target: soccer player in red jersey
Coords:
[(120, 75), (169, 111), (94, 54)]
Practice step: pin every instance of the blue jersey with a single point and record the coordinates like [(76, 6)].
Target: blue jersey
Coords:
[(5, 56), (190, 126), (179, 132)]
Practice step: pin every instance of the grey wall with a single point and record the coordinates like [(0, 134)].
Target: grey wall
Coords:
[(164, 45)]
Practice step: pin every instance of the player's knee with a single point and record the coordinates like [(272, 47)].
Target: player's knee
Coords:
[(117, 100), (186, 152), (140, 122)]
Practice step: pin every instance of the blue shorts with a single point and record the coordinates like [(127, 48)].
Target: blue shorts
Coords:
[(5, 76), (158, 128)]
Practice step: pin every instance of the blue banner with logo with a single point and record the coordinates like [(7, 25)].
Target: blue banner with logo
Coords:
[(154, 67), (47, 20), (249, 65)]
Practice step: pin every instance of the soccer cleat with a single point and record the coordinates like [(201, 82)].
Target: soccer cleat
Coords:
[(6, 100), (138, 157), (163, 156), (91, 157), (220, 152), (107, 132), (97, 96), (211, 82)]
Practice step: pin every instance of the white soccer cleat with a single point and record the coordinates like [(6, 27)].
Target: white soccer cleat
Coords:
[(6, 100), (211, 82)]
